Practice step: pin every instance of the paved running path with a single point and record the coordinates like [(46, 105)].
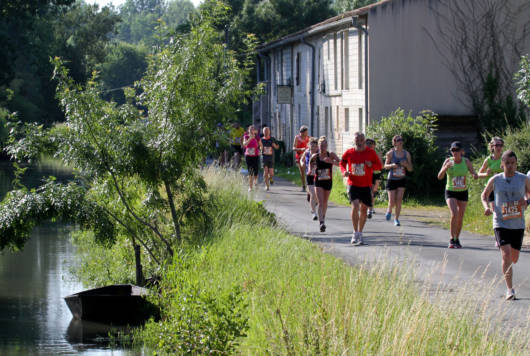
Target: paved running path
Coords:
[(416, 242)]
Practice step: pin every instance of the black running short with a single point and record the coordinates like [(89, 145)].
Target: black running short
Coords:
[(462, 195), (324, 184), (253, 165), (237, 148), (268, 161), (512, 237), (376, 177), (364, 194), (393, 184), (310, 179)]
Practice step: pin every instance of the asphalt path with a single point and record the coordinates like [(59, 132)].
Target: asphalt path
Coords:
[(474, 270)]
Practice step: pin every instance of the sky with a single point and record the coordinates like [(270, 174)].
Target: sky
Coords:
[(116, 3)]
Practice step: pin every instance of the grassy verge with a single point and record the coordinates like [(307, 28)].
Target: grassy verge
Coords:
[(289, 298)]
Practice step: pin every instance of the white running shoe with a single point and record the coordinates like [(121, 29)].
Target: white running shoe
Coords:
[(315, 216), (510, 294), (360, 240), (354, 238)]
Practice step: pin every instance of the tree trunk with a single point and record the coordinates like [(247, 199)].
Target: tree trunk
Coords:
[(140, 281), (173, 211)]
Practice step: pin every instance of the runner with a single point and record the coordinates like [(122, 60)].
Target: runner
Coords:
[(236, 136), (324, 177), (509, 189), (252, 146), (376, 179), (358, 164), (398, 162), (492, 164), (310, 168), (456, 195), (268, 144), (300, 144)]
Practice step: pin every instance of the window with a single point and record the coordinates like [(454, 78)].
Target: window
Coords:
[(326, 121), (361, 119), (335, 61), (346, 119), (345, 61), (298, 54), (360, 59)]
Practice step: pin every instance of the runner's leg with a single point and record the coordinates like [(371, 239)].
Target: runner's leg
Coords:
[(399, 199), (355, 207), (362, 217), (507, 270), (302, 174), (460, 221), (391, 200), (453, 210)]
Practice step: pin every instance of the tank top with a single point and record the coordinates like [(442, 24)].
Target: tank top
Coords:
[(252, 148), (457, 176), (268, 150), (507, 212), (494, 165), (324, 169), (399, 172), (301, 144), (310, 166)]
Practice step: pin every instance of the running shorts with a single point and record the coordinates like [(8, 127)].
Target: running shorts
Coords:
[(268, 161), (376, 177), (393, 184), (364, 194), (310, 179), (237, 148), (512, 237), (462, 196), (253, 165), (324, 184)]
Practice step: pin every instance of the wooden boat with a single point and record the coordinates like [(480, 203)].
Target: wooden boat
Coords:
[(115, 304)]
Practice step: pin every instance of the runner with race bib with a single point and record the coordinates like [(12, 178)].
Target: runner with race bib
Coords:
[(509, 190), (456, 168), (269, 144)]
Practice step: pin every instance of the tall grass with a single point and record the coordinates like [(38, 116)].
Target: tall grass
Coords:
[(301, 301)]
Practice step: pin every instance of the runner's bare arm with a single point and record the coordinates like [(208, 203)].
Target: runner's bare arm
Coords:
[(484, 197), (443, 170), (344, 164), (471, 169), (528, 187), (483, 171), (388, 159), (409, 162), (335, 159)]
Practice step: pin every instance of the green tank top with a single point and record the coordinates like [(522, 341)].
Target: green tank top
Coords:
[(457, 176), (495, 166)]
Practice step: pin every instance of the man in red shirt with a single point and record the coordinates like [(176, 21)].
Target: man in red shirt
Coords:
[(358, 164)]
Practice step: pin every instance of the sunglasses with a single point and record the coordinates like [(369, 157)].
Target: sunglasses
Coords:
[(455, 149), (499, 145)]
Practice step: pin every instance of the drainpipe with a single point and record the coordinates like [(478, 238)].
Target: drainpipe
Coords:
[(359, 26), (312, 92)]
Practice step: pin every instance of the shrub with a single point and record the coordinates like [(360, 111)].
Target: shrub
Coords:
[(518, 140), (419, 139)]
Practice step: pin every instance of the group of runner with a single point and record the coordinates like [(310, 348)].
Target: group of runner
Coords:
[(505, 196)]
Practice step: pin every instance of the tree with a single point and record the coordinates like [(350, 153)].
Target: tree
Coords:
[(341, 6), (136, 170), (522, 78), (480, 42)]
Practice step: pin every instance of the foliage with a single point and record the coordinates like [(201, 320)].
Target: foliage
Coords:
[(139, 168), (522, 78), (124, 64), (419, 139), (341, 6), (518, 140)]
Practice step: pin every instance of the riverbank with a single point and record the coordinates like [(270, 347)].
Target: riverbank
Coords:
[(255, 289)]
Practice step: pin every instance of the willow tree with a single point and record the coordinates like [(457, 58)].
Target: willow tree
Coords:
[(136, 168)]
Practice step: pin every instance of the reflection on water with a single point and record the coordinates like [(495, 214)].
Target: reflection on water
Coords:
[(34, 319)]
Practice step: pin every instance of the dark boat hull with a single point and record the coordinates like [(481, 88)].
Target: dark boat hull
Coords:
[(116, 304)]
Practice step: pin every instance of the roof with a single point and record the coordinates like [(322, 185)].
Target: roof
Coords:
[(320, 27)]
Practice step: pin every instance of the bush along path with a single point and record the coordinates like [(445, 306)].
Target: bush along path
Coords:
[(473, 272)]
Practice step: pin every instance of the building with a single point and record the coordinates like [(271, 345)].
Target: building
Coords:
[(340, 75)]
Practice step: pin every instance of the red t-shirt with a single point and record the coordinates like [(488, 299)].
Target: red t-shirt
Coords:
[(354, 161)]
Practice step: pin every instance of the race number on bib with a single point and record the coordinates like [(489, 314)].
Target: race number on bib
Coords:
[(399, 172), (459, 182), (512, 210), (324, 174), (358, 169), (251, 151), (267, 150)]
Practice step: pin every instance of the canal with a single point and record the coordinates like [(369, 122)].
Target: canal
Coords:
[(34, 319)]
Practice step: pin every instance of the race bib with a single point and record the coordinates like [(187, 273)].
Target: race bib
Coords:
[(312, 169), (399, 172), (459, 182), (324, 174), (358, 169), (251, 151), (511, 210), (267, 150)]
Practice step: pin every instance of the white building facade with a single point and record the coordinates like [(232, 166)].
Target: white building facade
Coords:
[(341, 74)]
